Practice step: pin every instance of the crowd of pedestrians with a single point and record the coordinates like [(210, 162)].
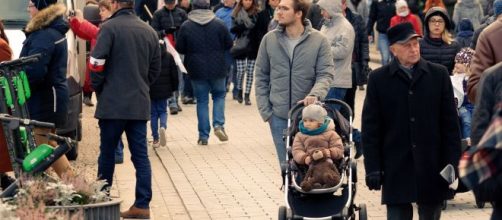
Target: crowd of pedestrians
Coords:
[(419, 104)]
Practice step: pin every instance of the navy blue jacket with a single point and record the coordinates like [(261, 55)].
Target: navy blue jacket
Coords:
[(203, 40), (167, 82), (46, 35)]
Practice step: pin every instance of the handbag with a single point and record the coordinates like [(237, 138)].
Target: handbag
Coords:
[(240, 46)]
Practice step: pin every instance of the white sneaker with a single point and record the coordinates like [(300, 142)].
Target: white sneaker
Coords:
[(155, 144), (162, 136)]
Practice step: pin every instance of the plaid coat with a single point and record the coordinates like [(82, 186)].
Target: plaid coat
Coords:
[(480, 167)]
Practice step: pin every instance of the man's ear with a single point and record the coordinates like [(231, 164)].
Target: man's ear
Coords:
[(393, 50)]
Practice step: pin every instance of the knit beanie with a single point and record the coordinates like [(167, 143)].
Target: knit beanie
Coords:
[(497, 7), (401, 3), (41, 4), (200, 4), (465, 25), (464, 56), (314, 112)]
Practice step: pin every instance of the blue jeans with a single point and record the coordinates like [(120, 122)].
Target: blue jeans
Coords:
[(187, 86), (465, 114), (110, 132), (158, 112), (201, 89), (383, 46), (277, 127), (336, 93), (119, 151)]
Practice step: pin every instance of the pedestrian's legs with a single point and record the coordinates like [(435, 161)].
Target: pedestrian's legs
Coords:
[(336, 93), (154, 119), (162, 112), (241, 67), (429, 211), (136, 136), (278, 127), (383, 46), (350, 97), (110, 132), (465, 119), (497, 211), (400, 212), (201, 91), (233, 71), (218, 95), (249, 75), (187, 90), (119, 152)]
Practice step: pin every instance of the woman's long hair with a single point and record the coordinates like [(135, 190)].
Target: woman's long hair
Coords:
[(2, 32), (447, 37), (252, 11)]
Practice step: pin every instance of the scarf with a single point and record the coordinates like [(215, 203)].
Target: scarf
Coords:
[(243, 18), (316, 131)]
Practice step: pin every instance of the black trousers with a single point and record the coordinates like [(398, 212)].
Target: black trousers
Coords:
[(405, 211)]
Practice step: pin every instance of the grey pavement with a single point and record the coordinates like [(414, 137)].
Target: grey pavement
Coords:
[(238, 179)]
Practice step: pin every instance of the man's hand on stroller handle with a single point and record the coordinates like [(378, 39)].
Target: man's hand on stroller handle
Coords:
[(309, 100), (374, 180)]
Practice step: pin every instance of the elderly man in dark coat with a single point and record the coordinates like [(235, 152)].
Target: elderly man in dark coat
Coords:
[(410, 130)]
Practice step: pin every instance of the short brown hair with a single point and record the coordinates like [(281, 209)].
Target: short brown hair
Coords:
[(303, 6), (105, 4)]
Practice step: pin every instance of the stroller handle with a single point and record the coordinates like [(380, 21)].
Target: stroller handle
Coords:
[(21, 61), (9, 118), (325, 101)]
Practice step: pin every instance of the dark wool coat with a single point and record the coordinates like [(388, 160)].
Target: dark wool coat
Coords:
[(123, 86), (49, 89), (410, 131), (167, 21), (437, 51)]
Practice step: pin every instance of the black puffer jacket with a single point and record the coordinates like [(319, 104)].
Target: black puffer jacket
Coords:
[(381, 12), (437, 51), (255, 35), (167, 82), (167, 21), (361, 50)]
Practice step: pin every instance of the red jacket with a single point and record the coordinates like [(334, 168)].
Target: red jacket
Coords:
[(85, 30), (413, 19)]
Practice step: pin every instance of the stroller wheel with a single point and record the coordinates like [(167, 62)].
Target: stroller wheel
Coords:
[(282, 213), (363, 212)]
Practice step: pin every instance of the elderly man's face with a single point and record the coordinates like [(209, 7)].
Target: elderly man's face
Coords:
[(407, 53)]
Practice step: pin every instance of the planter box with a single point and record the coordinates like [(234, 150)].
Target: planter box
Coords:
[(99, 211)]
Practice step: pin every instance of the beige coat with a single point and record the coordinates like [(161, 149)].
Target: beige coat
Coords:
[(304, 145)]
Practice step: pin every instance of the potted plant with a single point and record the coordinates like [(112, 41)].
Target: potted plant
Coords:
[(66, 198)]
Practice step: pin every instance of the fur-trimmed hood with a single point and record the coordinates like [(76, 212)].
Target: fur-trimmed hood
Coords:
[(50, 16)]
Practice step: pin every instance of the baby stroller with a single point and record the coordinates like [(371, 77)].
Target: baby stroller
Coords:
[(327, 203)]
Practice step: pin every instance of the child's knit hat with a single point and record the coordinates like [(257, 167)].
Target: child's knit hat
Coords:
[(314, 112), (464, 56)]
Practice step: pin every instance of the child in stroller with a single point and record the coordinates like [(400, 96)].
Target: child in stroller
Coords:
[(316, 134)]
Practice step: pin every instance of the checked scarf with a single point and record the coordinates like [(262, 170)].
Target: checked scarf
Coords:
[(484, 161)]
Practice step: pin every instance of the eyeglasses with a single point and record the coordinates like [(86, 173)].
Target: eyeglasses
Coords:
[(436, 21)]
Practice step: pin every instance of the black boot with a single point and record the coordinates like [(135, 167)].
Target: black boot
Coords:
[(239, 96), (246, 99)]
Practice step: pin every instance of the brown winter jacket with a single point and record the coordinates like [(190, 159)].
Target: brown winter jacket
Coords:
[(5, 51), (488, 53), (302, 146)]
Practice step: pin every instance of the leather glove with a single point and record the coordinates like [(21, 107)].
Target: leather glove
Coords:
[(374, 180)]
